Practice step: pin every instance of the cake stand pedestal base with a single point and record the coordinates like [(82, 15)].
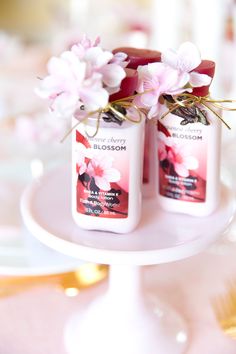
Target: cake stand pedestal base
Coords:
[(125, 320)]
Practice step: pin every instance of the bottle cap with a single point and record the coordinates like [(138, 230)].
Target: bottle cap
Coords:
[(206, 67), (138, 56), (128, 85)]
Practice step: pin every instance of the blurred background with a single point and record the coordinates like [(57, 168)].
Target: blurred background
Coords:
[(31, 31)]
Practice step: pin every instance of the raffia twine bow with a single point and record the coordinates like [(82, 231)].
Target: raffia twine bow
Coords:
[(181, 100), (189, 100), (110, 107)]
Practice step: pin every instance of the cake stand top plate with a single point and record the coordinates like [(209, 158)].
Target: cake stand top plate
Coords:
[(160, 237)]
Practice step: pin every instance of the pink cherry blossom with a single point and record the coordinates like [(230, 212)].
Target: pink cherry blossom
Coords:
[(182, 161), (68, 88), (100, 167), (83, 76), (185, 60), (156, 79), (83, 45), (98, 60), (120, 58)]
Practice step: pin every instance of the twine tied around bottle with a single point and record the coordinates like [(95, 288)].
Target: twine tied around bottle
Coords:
[(185, 100), (188, 100), (112, 107)]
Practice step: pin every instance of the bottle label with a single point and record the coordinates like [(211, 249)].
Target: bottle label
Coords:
[(182, 156), (102, 170)]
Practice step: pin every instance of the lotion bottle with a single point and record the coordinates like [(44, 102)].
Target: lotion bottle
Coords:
[(189, 144), (137, 57), (107, 169)]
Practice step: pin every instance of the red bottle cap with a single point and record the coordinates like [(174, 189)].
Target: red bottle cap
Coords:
[(128, 85), (206, 67), (138, 56)]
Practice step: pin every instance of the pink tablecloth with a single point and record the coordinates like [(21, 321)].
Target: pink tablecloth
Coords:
[(32, 322)]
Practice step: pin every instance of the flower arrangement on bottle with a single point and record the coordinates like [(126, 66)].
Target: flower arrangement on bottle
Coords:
[(83, 78), (85, 81)]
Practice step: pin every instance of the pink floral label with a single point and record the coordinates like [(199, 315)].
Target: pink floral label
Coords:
[(182, 156), (102, 186)]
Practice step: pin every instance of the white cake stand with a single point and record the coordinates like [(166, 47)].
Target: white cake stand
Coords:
[(123, 320)]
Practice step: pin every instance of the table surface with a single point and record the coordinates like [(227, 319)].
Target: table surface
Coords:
[(32, 322)]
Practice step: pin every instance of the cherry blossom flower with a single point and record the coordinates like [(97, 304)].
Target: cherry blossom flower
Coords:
[(120, 58), (172, 76), (109, 65), (83, 45), (100, 167), (83, 76), (156, 79), (185, 60), (68, 87), (82, 154), (181, 160)]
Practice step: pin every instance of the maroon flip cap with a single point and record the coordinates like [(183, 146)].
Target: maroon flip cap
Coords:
[(128, 85), (138, 56), (206, 67)]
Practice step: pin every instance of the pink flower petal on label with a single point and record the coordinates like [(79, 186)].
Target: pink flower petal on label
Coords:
[(102, 183), (112, 175), (190, 162), (100, 167), (181, 170)]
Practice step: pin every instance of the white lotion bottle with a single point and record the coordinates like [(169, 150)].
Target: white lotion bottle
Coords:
[(139, 57), (107, 171), (189, 147)]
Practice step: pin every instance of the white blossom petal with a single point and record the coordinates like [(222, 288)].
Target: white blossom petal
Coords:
[(153, 111), (113, 74), (94, 98), (97, 57), (170, 58), (149, 99), (188, 57), (183, 79), (198, 80), (64, 105), (57, 66), (119, 58)]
